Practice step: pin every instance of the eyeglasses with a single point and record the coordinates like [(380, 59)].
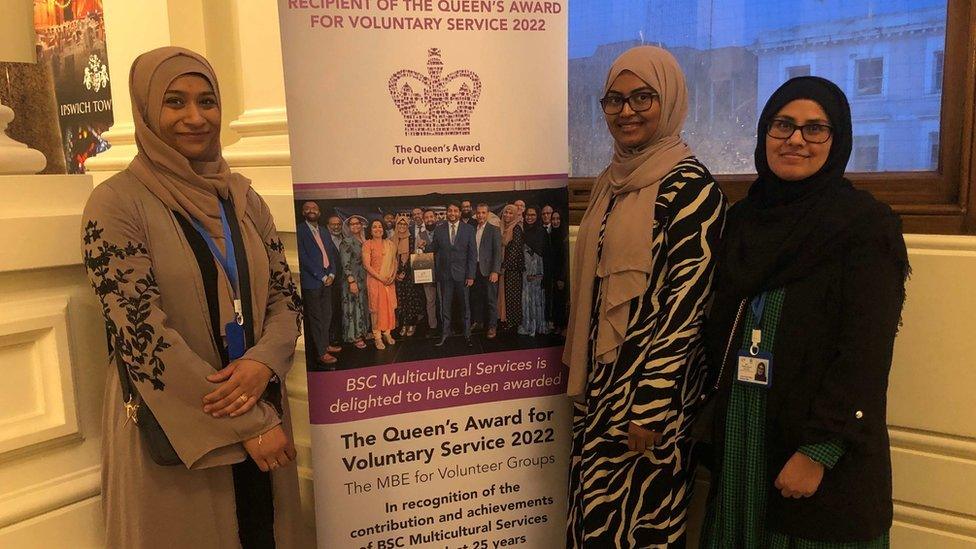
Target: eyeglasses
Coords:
[(812, 133), (639, 102)]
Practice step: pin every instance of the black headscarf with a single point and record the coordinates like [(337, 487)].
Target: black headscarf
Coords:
[(783, 229), (535, 233)]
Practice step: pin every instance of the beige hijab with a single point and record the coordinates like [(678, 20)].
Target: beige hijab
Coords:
[(401, 239), (632, 178), (508, 229), (190, 188)]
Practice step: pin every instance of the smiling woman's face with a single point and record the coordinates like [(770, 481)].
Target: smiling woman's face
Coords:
[(190, 118), (632, 129), (376, 229), (794, 158), (508, 214), (355, 225)]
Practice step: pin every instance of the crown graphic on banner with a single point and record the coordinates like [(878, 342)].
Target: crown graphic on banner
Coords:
[(434, 109)]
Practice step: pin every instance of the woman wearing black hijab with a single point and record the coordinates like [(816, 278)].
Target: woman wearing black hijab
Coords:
[(810, 289), (533, 295)]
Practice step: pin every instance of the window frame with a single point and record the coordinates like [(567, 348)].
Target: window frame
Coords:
[(855, 89), (807, 66), (933, 85), (876, 135), (931, 202)]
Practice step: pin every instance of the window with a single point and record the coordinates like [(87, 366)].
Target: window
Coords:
[(934, 151), (865, 155), (938, 60), (797, 70), (722, 101), (736, 53), (906, 49), (869, 74)]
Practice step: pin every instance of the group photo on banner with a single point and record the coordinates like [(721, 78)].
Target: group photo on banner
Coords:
[(379, 288)]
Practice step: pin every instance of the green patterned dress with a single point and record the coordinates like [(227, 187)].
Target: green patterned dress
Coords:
[(736, 515)]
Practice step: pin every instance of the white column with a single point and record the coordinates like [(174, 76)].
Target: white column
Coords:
[(131, 28), (262, 124)]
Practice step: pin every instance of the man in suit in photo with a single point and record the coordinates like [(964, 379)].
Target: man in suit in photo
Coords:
[(335, 233), (552, 276), (425, 233), (455, 260), (318, 261), (484, 297)]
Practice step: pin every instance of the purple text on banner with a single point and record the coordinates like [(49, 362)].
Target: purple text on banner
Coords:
[(378, 391)]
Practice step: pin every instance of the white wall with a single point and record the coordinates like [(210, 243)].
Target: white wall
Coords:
[(52, 345)]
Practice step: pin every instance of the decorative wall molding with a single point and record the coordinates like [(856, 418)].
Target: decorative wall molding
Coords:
[(940, 444), (262, 121), (45, 210), (940, 242), (49, 495), (122, 136), (937, 519), (39, 389)]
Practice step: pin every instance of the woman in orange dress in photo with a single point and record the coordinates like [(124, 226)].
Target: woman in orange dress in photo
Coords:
[(379, 259)]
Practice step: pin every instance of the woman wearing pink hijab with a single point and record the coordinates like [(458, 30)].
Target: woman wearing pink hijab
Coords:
[(201, 317), (641, 276)]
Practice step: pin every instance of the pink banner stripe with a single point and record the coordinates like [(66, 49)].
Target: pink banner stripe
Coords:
[(378, 391), (414, 182)]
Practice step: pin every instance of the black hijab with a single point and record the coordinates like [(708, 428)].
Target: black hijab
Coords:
[(535, 233), (783, 229)]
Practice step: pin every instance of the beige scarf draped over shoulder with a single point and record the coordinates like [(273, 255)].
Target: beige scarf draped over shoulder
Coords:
[(632, 179)]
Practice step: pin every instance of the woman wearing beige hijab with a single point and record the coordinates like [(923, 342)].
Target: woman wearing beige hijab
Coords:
[(641, 276), (409, 295), (201, 316), (513, 266)]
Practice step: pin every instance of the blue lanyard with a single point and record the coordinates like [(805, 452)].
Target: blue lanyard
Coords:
[(758, 306), (229, 261)]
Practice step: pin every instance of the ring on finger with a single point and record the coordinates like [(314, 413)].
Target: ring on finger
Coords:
[(243, 398)]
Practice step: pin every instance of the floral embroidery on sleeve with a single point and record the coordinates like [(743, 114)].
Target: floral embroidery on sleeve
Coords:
[(122, 290), (282, 281)]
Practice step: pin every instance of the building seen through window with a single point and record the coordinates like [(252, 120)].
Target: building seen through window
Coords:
[(938, 59), (797, 70), (869, 74), (887, 55), (864, 157)]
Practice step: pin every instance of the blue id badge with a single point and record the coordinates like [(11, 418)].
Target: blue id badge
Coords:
[(234, 333), (755, 369)]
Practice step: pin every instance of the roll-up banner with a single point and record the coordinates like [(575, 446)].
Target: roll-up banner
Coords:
[(429, 157)]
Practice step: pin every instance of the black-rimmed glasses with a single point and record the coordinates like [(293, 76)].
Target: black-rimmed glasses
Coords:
[(812, 133), (639, 102)]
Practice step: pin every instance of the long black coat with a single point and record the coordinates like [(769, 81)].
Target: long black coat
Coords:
[(831, 361)]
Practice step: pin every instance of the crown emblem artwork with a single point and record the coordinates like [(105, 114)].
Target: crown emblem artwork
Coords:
[(428, 105)]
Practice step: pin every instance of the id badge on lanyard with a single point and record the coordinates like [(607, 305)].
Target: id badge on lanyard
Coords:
[(233, 330), (755, 367)]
